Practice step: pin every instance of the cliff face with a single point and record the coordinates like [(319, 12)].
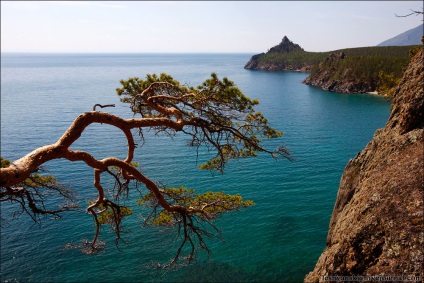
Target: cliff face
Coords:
[(377, 225), (323, 78), (253, 63)]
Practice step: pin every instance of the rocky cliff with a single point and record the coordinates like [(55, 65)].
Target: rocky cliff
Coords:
[(323, 77), (377, 225)]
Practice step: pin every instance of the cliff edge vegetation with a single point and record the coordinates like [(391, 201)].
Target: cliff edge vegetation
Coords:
[(285, 56), (349, 70), (361, 70), (377, 225)]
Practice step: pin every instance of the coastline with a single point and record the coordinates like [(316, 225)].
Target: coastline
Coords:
[(373, 92)]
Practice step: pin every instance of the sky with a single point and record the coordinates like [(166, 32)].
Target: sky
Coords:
[(199, 26)]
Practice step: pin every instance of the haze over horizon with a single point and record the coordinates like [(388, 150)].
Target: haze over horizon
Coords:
[(184, 27)]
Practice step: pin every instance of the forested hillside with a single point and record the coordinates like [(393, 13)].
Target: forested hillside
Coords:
[(362, 69), (350, 70), (301, 58)]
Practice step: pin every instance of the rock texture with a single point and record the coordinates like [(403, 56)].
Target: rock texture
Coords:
[(286, 46), (323, 79), (253, 63), (377, 225)]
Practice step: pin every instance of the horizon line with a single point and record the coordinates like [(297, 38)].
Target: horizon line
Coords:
[(124, 52)]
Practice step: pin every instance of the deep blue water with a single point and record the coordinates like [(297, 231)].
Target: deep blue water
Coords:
[(279, 239)]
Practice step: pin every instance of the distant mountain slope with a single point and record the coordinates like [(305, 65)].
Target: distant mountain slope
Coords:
[(410, 37)]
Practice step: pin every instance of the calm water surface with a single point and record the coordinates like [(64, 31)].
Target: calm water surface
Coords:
[(277, 240)]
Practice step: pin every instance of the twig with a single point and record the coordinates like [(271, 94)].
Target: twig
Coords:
[(102, 106)]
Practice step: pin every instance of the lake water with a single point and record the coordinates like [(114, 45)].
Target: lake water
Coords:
[(277, 240)]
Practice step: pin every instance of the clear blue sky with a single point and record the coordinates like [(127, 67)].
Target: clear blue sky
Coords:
[(190, 26)]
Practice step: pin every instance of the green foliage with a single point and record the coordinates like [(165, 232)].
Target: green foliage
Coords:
[(116, 169), (361, 66), (216, 114), (112, 214), (376, 68), (299, 59), (387, 83), (211, 93), (211, 204), (133, 87), (295, 60), (414, 50), (4, 162), (32, 195), (38, 181)]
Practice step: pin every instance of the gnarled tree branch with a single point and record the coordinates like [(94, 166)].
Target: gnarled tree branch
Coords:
[(216, 115)]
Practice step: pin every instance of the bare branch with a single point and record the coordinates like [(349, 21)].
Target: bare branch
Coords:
[(102, 106), (410, 14)]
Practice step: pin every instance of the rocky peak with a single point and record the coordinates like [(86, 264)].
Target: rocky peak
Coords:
[(286, 46), (285, 40), (263, 62)]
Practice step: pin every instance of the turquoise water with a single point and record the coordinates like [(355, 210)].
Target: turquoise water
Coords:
[(277, 240)]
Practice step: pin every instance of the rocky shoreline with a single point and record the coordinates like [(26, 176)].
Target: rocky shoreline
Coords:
[(253, 64), (377, 226), (340, 86), (323, 79)]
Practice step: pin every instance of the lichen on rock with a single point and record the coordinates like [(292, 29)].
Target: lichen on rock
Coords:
[(377, 225)]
